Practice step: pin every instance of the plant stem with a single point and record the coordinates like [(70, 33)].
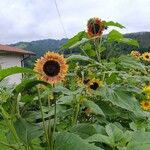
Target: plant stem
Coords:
[(75, 115), (8, 145), (42, 114), (10, 126), (55, 116)]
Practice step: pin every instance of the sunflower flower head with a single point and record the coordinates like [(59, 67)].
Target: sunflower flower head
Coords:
[(93, 85), (145, 104), (146, 56), (146, 88), (51, 68), (95, 27), (135, 54)]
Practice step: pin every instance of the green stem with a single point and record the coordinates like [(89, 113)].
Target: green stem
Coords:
[(42, 114), (10, 126), (55, 116), (76, 112), (8, 145)]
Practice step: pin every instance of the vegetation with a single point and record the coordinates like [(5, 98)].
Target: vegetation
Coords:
[(86, 101)]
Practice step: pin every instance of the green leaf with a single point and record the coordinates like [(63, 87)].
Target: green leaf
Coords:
[(129, 62), (73, 40), (114, 35), (111, 23), (70, 141), (67, 100), (114, 132), (84, 130), (77, 44), (129, 41), (27, 131), (94, 107), (123, 99), (78, 57), (28, 84), (14, 70), (100, 138), (89, 50), (139, 141), (62, 89)]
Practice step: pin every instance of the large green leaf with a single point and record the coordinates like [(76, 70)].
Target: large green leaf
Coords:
[(123, 99), (101, 138), (94, 107), (129, 41), (129, 62), (71, 141), (84, 130), (139, 141), (14, 70), (28, 84), (114, 132), (115, 36), (77, 44), (78, 57), (27, 131), (115, 24), (73, 40)]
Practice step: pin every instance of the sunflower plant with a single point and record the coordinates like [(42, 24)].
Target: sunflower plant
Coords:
[(88, 100)]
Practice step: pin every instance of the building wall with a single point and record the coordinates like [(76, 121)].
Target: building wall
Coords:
[(10, 60)]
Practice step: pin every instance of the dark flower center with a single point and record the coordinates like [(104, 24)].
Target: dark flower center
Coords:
[(146, 104), (86, 81), (147, 56), (51, 68), (94, 86), (95, 28)]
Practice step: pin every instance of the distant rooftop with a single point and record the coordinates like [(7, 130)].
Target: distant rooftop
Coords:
[(10, 49)]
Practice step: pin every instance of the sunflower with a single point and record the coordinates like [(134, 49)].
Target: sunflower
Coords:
[(51, 68), (145, 104), (94, 85), (135, 54), (146, 56), (95, 27), (146, 88)]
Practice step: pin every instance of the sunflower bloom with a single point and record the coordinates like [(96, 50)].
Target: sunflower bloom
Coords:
[(146, 56), (94, 85), (146, 88), (145, 104), (135, 54), (95, 27), (51, 68)]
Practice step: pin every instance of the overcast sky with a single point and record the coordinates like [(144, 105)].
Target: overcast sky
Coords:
[(28, 20)]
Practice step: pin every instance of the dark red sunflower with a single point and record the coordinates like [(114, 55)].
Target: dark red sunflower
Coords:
[(95, 27)]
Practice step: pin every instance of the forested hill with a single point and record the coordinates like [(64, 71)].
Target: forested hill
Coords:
[(41, 46)]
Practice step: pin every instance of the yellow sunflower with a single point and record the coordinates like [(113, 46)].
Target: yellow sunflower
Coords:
[(94, 85), (146, 88), (145, 104), (51, 68), (135, 54), (146, 56), (95, 27)]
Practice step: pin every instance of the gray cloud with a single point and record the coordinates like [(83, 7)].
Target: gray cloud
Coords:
[(27, 20)]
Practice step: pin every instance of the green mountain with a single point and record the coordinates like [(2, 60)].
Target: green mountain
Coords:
[(41, 46)]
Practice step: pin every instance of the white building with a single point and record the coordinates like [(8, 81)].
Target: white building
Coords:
[(12, 56)]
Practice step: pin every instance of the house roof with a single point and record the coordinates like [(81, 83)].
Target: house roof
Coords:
[(10, 49)]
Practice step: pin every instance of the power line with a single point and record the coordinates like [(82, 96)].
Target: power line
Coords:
[(61, 22)]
